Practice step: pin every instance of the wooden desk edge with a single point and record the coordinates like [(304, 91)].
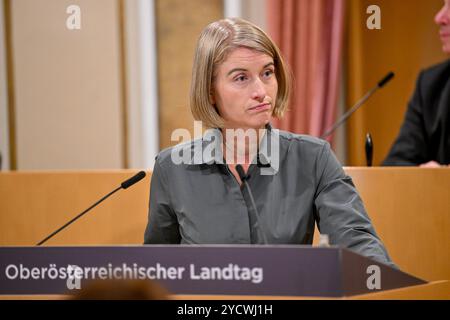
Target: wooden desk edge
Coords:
[(436, 290)]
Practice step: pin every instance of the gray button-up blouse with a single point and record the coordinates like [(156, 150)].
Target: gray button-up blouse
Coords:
[(296, 182)]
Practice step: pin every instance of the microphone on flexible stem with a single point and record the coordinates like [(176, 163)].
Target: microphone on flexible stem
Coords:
[(345, 116), (124, 185), (255, 227), (369, 149)]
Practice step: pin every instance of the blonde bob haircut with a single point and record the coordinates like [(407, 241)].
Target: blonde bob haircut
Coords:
[(216, 41)]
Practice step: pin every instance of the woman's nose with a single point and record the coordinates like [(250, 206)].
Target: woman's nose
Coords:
[(259, 90), (442, 18)]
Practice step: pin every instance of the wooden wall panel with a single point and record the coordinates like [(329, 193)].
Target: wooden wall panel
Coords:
[(179, 23), (410, 209), (34, 204), (67, 90)]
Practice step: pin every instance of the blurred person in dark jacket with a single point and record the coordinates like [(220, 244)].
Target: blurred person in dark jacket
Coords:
[(424, 138)]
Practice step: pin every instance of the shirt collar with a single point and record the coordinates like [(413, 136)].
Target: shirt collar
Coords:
[(212, 140), (269, 153), (212, 147)]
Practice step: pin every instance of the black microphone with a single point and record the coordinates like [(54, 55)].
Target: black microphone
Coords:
[(124, 185), (134, 179), (345, 116), (369, 149), (386, 79), (255, 227)]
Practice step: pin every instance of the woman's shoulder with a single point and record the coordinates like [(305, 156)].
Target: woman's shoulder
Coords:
[(302, 141), (182, 153), (302, 148)]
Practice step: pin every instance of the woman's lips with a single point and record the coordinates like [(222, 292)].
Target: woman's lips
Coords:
[(260, 107)]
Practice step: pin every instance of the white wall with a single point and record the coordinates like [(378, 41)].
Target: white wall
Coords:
[(4, 128), (142, 88), (232, 8), (251, 10)]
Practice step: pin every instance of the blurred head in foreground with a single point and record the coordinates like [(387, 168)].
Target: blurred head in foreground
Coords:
[(122, 290)]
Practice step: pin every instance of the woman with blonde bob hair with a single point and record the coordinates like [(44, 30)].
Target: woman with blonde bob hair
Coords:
[(216, 41), (280, 189)]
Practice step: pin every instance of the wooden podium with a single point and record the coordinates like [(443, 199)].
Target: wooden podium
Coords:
[(409, 207)]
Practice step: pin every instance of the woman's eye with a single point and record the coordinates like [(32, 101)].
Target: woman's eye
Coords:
[(268, 73), (241, 78)]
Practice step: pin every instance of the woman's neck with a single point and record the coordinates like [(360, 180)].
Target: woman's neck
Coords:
[(240, 146)]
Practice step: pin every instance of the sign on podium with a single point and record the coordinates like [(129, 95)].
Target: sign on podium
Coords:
[(263, 270)]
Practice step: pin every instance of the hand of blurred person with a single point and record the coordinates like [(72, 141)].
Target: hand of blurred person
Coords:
[(121, 289), (431, 164)]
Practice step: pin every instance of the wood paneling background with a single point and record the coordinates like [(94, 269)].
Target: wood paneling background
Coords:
[(67, 90), (179, 23), (34, 204), (410, 209)]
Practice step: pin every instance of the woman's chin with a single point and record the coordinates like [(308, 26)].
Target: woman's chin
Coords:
[(255, 122), (255, 125), (261, 121)]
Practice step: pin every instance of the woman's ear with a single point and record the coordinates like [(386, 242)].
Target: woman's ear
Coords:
[(212, 99)]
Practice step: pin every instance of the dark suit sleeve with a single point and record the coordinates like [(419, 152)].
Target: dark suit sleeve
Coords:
[(341, 213), (162, 227), (410, 147)]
